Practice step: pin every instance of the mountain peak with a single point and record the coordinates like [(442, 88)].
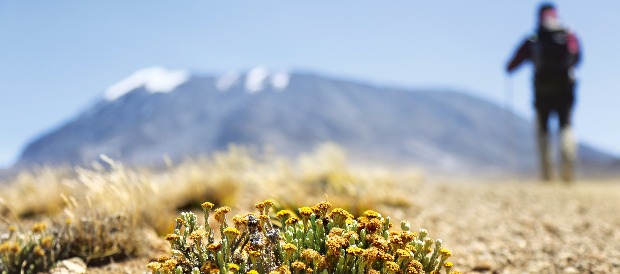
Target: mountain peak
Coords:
[(153, 79)]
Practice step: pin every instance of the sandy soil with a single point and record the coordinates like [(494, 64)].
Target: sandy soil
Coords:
[(508, 227), (526, 227)]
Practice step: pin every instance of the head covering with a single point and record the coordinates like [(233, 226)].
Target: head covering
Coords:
[(548, 17)]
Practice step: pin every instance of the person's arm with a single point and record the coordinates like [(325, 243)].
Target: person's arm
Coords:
[(574, 49), (522, 54)]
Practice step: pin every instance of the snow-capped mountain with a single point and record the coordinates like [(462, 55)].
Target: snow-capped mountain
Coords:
[(158, 112), (159, 79)]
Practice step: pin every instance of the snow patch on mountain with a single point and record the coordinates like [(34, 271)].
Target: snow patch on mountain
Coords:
[(224, 82), (255, 79), (259, 78), (153, 79), (280, 80)]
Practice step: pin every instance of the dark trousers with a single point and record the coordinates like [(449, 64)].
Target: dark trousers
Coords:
[(558, 100)]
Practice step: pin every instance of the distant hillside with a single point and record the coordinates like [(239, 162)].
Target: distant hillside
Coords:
[(178, 114)]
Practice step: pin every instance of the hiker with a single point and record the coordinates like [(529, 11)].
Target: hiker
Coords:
[(554, 51)]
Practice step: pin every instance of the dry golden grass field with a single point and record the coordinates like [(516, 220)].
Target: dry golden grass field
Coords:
[(115, 218)]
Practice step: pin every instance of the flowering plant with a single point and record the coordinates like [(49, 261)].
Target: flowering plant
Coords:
[(315, 241)]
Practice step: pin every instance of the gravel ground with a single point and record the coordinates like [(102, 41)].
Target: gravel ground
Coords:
[(526, 227), (508, 227)]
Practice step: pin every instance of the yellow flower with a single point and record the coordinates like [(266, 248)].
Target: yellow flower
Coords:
[(339, 212), (448, 266), (289, 247), (336, 231), (411, 248), (12, 228), (298, 265), (9, 247), (47, 241), (355, 250), (392, 267), (198, 235), (260, 207), (321, 262), (305, 211), (154, 266), (169, 265), (15, 248), (445, 253), (180, 221), (372, 225), (370, 254), (263, 208), (39, 227), (334, 244), (163, 259), (351, 234), (321, 208), (379, 242), (233, 267), (401, 238), (371, 214), (214, 246), (209, 266), (401, 253), (408, 236), (385, 256), (310, 254), (241, 221), (172, 237), (207, 206), (284, 269), (231, 231), (324, 205), (283, 214), (220, 213), (263, 217), (253, 272), (415, 267), (38, 250), (292, 221)]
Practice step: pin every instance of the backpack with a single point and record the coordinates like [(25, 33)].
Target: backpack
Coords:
[(551, 57)]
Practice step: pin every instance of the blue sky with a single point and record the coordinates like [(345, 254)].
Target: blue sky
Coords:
[(58, 57)]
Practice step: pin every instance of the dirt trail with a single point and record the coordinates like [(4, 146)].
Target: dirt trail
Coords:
[(509, 227)]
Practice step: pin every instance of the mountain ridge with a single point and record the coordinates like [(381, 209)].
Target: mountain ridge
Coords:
[(446, 131)]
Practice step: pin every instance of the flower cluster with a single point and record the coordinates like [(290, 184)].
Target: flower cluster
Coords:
[(312, 241), (94, 240), (31, 253)]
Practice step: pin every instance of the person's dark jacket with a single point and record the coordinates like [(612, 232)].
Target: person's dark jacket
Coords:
[(559, 68)]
